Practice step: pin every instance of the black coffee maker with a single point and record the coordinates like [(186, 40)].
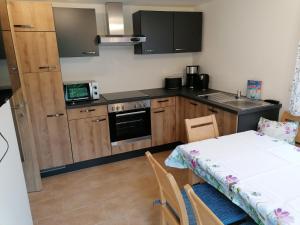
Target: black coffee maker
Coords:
[(192, 77)]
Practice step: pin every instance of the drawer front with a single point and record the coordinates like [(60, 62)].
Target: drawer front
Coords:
[(162, 102), (87, 112)]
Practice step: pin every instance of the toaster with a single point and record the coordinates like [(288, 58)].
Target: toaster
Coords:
[(173, 82)]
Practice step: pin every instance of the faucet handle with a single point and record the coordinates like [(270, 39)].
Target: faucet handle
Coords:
[(238, 94)]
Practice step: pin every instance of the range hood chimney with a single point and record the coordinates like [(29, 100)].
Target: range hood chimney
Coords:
[(115, 27)]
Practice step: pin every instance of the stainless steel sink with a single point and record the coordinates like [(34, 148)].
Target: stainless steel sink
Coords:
[(230, 100), (245, 103)]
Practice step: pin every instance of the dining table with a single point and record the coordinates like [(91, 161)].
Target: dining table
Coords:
[(258, 173)]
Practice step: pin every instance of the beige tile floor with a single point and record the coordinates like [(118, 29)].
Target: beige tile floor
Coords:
[(120, 193)]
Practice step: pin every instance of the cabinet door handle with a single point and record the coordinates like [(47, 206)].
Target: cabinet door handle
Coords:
[(47, 67), (160, 111), (161, 101), (89, 53), (44, 67), (212, 110), (192, 103), (23, 26), (56, 115), (149, 50), (98, 120), (52, 67), (87, 110), (179, 49)]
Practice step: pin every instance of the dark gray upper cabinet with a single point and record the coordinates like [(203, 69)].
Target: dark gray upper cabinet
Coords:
[(187, 31), (76, 32), (168, 32), (157, 26)]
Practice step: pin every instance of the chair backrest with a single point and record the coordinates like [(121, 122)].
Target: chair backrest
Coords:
[(173, 206), (201, 128), (287, 117), (203, 215)]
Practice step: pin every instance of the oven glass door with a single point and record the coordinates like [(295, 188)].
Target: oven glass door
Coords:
[(129, 124)]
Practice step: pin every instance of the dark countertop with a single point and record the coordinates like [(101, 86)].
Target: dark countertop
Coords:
[(101, 101), (193, 95), (184, 92)]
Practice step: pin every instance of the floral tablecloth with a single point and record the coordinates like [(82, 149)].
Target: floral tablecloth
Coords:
[(258, 173)]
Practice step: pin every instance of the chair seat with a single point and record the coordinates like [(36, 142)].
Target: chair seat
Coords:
[(218, 203)]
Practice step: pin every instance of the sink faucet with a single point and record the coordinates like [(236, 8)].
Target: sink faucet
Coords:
[(238, 94)]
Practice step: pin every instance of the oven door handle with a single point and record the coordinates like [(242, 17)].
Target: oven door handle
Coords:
[(128, 122), (131, 113)]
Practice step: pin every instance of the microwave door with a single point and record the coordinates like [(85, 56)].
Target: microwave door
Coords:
[(77, 92)]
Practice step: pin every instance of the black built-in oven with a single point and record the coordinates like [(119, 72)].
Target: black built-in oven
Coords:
[(129, 121)]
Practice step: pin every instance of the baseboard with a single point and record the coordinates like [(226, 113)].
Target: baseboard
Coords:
[(106, 160)]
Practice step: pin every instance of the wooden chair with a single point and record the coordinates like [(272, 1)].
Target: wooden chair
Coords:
[(173, 211), (203, 215), (201, 128), (287, 117), (198, 129)]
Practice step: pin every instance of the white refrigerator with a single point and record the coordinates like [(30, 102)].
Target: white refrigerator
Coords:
[(14, 203)]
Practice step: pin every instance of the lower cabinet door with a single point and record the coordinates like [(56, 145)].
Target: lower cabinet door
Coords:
[(227, 122), (44, 95), (90, 138), (55, 147), (163, 124)]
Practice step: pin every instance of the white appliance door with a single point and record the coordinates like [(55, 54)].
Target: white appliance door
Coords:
[(14, 203)]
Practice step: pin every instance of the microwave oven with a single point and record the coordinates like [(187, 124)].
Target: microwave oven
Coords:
[(81, 91)]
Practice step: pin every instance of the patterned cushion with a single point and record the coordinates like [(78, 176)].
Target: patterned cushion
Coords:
[(285, 131)]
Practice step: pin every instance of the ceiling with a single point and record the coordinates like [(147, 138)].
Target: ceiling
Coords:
[(143, 2)]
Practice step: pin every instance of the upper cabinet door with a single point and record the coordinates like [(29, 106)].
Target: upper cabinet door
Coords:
[(38, 51), (158, 28), (76, 32), (187, 31), (32, 15)]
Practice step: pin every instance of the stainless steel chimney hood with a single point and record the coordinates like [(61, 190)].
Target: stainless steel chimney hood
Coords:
[(115, 22)]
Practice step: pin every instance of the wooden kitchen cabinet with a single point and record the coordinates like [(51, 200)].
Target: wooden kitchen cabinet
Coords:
[(38, 51), (45, 98), (86, 112), (193, 109), (32, 15), (163, 125), (4, 20), (26, 141), (227, 122), (163, 102), (230, 123), (46, 92), (90, 138)]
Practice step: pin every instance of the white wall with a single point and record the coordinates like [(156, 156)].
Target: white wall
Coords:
[(117, 68), (14, 203), (251, 39)]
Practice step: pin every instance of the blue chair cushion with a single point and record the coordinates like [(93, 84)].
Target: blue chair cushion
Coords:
[(218, 203), (249, 222)]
